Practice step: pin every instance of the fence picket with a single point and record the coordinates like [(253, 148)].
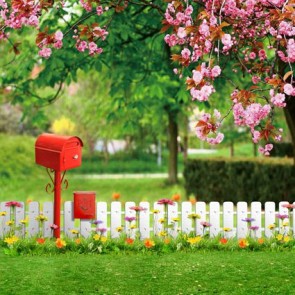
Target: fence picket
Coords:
[(144, 220), (69, 222), (34, 211), (20, 216), (201, 210), (116, 219), (102, 215), (158, 226), (186, 222), (293, 221), (3, 219), (256, 214), (228, 220), (214, 218), (270, 218), (172, 219), (130, 231), (284, 211), (242, 213), (48, 211)]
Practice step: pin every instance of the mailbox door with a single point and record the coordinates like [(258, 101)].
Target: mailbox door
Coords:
[(72, 155), (84, 205)]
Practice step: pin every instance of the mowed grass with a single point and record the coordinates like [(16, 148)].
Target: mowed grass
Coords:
[(176, 273), (136, 190)]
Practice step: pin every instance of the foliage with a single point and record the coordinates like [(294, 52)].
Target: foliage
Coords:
[(240, 180), (283, 149), (63, 126)]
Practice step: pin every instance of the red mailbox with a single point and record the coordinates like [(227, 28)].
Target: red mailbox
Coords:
[(84, 205), (58, 152)]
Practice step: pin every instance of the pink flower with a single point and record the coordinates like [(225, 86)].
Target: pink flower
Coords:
[(13, 204), (215, 72), (181, 33), (255, 79), (197, 76), (99, 10), (165, 202), (45, 52), (252, 55), (205, 224), (58, 36), (81, 45), (288, 89)]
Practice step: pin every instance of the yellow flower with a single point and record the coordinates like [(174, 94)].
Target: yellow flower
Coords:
[(9, 222), (194, 216), (285, 223), (194, 240), (175, 219), (11, 241), (272, 226), (24, 221), (279, 237), (74, 231), (119, 229), (162, 234), (133, 226), (103, 239), (226, 229), (287, 239), (3, 213), (41, 218), (155, 211), (161, 220), (96, 237)]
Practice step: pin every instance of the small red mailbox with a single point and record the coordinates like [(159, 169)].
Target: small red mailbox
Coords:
[(57, 152), (84, 205)]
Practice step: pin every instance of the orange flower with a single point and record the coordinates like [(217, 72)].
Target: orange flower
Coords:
[(167, 241), (223, 241), (129, 241), (149, 243), (78, 241), (176, 198), (116, 196), (60, 243), (243, 243), (40, 240), (260, 241), (193, 201)]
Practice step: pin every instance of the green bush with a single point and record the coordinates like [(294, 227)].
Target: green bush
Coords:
[(282, 149), (240, 180)]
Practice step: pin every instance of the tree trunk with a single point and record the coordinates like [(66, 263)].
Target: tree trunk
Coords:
[(173, 147), (289, 111), (185, 139)]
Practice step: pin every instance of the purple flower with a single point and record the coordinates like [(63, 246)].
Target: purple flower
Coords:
[(130, 219), (165, 202), (282, 216), (97, 222), (137, 208), (254, 227), (248, 219), (205, 224), (101, 230)]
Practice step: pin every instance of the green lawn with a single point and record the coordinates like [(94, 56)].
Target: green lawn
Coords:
[(177, 273), (130, 189)]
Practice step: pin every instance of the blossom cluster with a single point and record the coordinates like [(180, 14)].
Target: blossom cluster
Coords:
[(216, 29)]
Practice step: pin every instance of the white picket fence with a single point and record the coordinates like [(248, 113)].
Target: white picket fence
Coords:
[(226, 215)]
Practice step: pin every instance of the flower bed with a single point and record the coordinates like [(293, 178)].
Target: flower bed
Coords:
[(168, 239)]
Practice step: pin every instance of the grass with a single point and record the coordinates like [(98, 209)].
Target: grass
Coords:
[(145, 189), (203, 272)]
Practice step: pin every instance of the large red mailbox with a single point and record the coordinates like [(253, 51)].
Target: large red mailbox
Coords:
[(58, 152)]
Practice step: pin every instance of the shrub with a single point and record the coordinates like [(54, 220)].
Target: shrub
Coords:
[(282, 149), (239, 180)]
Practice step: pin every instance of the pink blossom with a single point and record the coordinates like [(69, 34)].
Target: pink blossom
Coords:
[(197, 76), (58, 36), (181, 33), (288, 89), (45, 52), (33, 21), (99, 10), (252, 55), (215, 72), (185, 53), (265, 151), (13, 204), (81, 45), (279, 100)]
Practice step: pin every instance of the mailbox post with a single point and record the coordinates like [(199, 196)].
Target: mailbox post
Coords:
[(58, 154)]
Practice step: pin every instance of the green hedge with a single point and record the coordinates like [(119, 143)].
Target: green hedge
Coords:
[(282, 149), (240, 180)]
